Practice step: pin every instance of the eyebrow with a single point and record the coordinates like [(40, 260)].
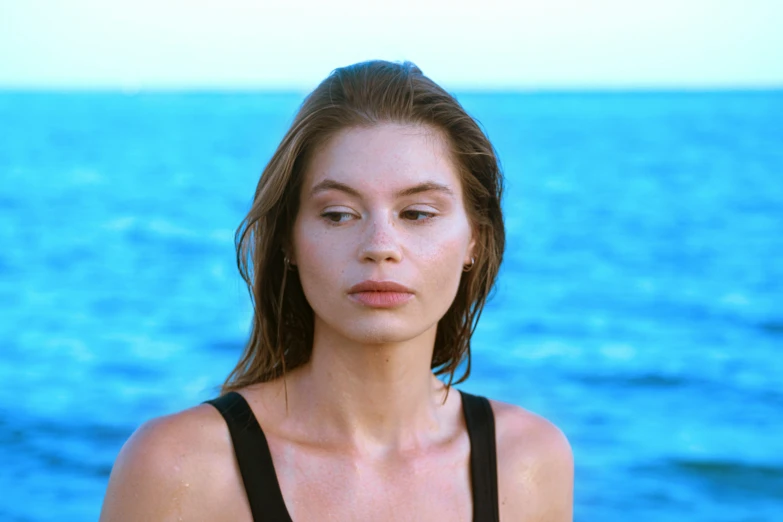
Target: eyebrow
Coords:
[(427, 186)]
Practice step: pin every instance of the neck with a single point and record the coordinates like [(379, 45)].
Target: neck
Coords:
[(378, 397)]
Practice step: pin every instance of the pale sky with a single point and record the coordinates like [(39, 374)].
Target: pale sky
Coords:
[(500, 44)]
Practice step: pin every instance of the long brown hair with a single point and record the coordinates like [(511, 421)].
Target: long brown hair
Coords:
[(361, 95)]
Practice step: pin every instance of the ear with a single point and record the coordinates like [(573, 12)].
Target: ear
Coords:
[(289, 253), (470, 253)]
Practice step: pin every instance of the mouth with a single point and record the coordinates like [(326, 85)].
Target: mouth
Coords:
[(381, 299), (380, 294), (379, 286)]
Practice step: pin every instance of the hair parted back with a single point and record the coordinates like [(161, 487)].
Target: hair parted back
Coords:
[(361, 95)]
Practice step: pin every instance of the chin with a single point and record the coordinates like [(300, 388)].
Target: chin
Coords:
[(381, 330), (381, 333), (379, 336)]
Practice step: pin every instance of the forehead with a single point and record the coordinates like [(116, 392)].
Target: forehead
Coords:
[(383, 157)]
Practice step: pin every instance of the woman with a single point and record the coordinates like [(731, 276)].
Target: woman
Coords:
[(373, 240)]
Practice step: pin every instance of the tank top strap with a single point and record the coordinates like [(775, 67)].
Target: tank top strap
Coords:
[(263, 489), (480, 422), (254, 459)]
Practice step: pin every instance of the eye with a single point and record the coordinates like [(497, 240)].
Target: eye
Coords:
[(417, 215), (336, 217)]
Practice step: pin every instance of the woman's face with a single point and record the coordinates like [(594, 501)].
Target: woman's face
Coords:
[(381, 204)]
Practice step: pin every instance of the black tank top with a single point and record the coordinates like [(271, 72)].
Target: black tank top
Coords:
[(263, 490)]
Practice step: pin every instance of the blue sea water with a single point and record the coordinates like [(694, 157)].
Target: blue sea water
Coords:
[(639, 307)]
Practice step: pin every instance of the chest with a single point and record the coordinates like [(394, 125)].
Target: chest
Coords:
[(319, 486)]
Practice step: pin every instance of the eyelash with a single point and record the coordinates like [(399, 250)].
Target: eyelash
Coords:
[(429, 215), (327, 216)]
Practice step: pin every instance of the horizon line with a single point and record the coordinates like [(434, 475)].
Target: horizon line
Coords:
[(465, 89)]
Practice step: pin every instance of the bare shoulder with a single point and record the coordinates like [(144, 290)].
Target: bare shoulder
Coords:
[(535, 466), (176, 467)]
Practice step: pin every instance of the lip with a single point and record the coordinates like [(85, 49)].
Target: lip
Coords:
[(380, 294), (379, 286)]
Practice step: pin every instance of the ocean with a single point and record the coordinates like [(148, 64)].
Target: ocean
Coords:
[(639, 306)]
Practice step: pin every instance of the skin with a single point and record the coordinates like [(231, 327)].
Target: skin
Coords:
[(369, 433)]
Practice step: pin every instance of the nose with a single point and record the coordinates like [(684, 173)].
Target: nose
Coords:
[(380, 242)]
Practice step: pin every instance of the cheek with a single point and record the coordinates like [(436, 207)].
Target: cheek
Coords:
[(310, 244), (309, 248), (319, 261), (442, 256), (441, 260)]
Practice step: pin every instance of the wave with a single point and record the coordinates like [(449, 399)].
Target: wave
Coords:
[(728, 477), (772, 327)]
